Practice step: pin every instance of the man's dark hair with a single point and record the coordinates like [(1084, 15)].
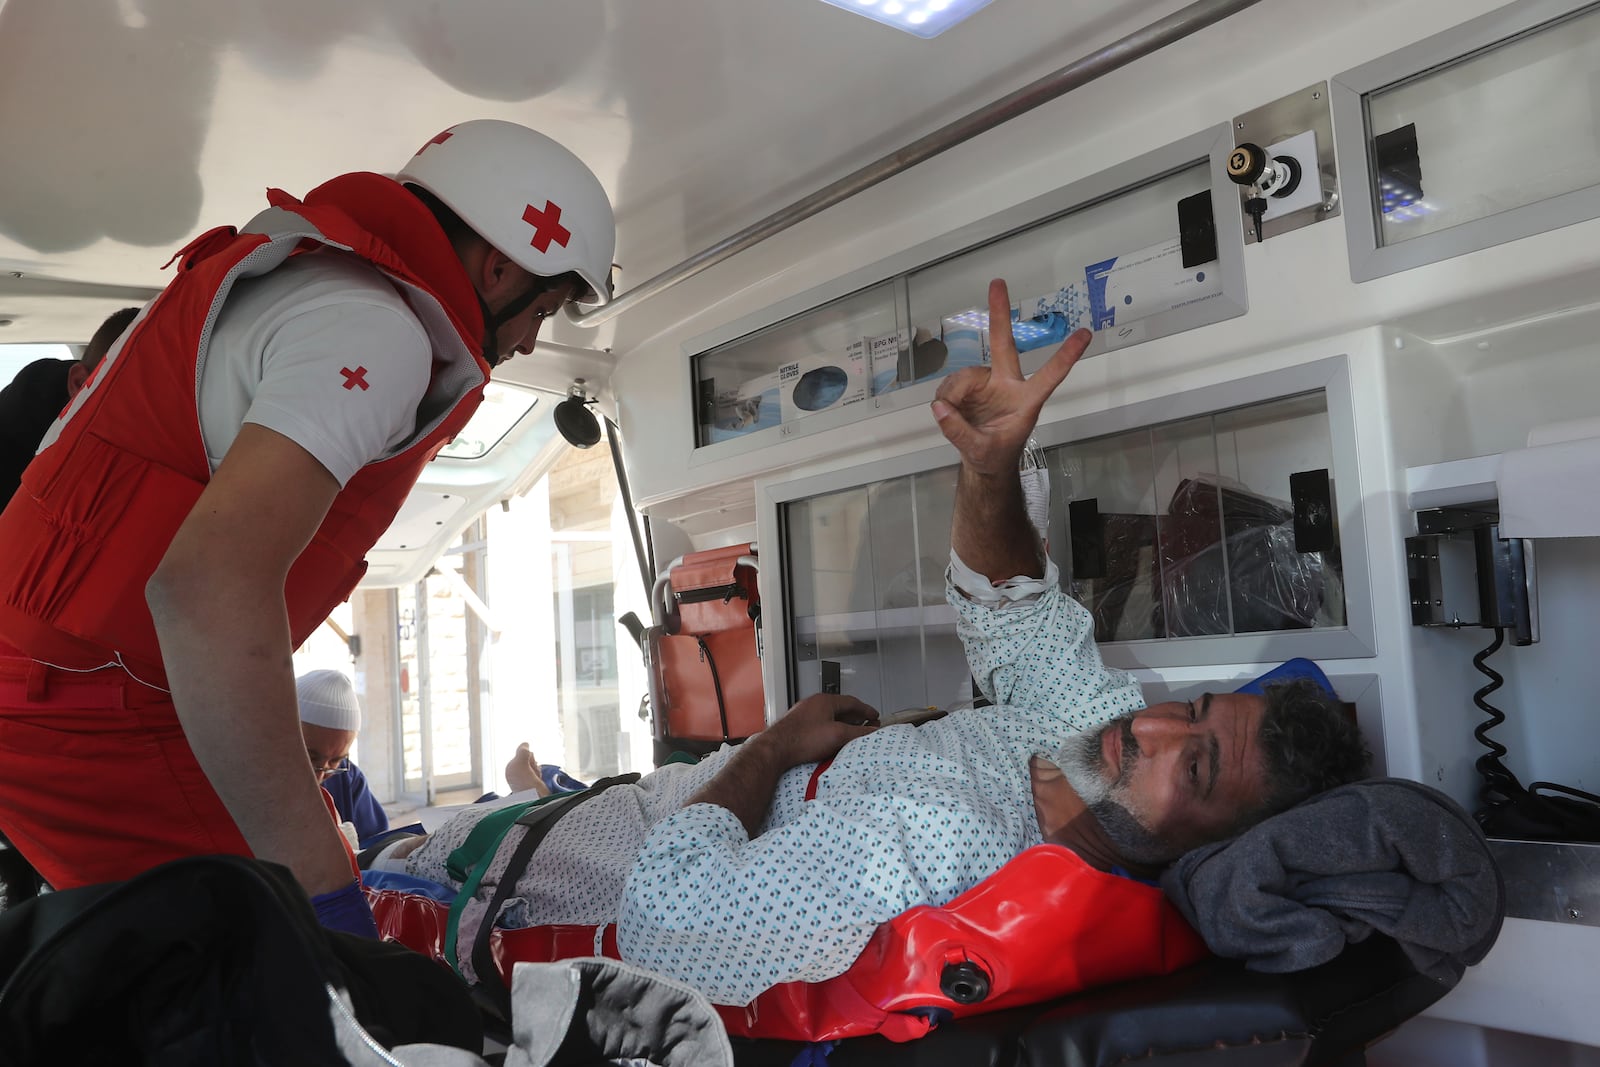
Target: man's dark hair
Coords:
[(106, 336), (1309, 744)]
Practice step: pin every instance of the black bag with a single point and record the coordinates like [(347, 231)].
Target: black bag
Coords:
[(18, 880), (206, 961)]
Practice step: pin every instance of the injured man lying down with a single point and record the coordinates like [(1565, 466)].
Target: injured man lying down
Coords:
[(768, 863)]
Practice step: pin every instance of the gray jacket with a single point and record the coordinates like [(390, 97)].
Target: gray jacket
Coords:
[(1385, 854)]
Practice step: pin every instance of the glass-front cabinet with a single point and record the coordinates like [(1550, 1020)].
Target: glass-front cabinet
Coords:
[(1222, 533), (1133, 253), (1188, 529), (833, 357), (865, 567), (1480, 135), (1112, 267)]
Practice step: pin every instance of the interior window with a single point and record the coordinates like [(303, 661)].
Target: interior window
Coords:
[(598, 676), (512, 637), (502, 408)]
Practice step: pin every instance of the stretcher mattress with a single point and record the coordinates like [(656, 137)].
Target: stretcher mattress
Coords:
[(1045, 925)]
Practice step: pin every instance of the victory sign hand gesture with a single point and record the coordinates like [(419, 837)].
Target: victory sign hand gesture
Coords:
[(988, 412)]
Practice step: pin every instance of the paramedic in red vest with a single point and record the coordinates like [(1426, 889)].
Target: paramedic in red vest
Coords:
[(200, 507), (39, 392)]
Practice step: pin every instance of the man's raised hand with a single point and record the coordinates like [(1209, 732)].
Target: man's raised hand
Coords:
[(989, 412)]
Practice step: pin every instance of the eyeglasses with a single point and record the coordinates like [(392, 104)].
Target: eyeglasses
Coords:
[(325, 769)]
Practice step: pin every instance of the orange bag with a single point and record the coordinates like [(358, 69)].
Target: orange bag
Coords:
[(704, 653)]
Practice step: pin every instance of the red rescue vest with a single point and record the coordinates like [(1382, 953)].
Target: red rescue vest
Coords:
[(101, 502)]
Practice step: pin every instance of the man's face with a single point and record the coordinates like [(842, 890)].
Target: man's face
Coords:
[(516, 336), (326, 748), (1173, 776)]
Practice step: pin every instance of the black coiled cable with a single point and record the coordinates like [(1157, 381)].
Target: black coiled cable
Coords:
[(1508, 809), (1500, 786), (1571, 791)]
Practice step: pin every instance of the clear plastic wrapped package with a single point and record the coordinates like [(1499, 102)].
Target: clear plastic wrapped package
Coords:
[(1221, 560), (1253, 581)]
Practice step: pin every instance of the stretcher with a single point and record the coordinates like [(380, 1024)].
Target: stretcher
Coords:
[(1043, 926)]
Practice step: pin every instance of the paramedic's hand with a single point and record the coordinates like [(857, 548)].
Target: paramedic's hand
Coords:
[(988, 412), (346, 909), (816, 728)]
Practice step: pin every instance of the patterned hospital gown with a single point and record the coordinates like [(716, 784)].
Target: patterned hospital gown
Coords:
[(905, 816)]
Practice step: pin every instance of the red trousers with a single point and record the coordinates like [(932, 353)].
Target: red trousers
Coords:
[(97, 782)]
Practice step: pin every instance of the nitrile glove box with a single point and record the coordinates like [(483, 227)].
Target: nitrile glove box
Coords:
[(883, 353), (1147, 282), (1071, 302), (966, 339), (730, 413), (822, 383), (1047, 320)]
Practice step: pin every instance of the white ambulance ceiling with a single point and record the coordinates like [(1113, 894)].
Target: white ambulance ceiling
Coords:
[(128, 126)]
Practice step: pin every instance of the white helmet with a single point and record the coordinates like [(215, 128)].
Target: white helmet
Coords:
[(526, 195)]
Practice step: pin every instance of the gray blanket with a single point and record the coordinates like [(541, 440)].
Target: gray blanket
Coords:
[(1385, 854)]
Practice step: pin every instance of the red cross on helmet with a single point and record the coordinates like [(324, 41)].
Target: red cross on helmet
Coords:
[(526, 195)]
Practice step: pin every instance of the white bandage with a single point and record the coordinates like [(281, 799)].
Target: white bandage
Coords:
[(980, 590), (385, 860)]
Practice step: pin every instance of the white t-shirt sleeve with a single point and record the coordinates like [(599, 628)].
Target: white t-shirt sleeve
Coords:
[(323, 350), (343, 382)]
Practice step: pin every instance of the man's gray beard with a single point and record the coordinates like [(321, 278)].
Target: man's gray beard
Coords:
[(1082, 762), (1080, 759)]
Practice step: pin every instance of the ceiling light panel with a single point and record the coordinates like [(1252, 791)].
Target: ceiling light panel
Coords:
[(924, 18)]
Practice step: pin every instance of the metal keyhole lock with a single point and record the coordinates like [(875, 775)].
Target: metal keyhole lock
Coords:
[(1249, 165)]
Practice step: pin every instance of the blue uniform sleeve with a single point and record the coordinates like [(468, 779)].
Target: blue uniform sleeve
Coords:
[(357, 805)]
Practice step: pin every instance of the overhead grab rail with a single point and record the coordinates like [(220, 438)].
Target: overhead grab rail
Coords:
[(1157, 35)]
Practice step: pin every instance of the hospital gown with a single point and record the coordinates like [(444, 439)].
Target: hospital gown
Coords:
[(905, 816)]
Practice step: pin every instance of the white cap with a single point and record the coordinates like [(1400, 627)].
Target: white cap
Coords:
[(328, 698)]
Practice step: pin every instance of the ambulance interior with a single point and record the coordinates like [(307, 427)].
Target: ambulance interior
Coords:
[(1361, 428)]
